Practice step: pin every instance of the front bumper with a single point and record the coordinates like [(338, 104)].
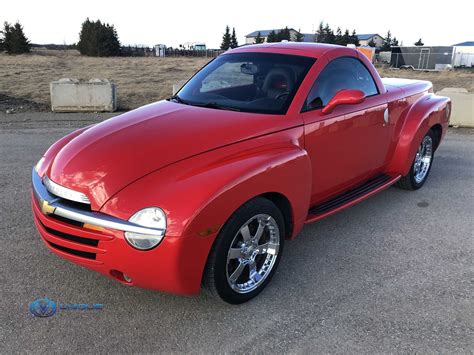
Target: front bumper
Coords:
[(174, 266)]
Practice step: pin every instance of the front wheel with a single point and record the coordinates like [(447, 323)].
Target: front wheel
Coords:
[(421, 166), (246, 253)]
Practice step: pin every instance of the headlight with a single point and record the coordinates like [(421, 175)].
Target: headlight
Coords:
[(152, 217), (39, 164)]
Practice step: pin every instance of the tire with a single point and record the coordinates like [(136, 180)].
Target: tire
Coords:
[(421, 167), (246, 252)]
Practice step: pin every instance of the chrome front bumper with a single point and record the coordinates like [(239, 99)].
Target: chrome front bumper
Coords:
[(53, 205)]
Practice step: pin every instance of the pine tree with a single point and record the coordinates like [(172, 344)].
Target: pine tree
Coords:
[(233, 39), (338, 37), (346, 38), (98, 39), (355, 39), (387, 42), (14, 39), (284, 34), (372, 43), (226, 38), (329, 34), (319, 36), (259, 38), (394, 42), (272, 37), (419, 43), (299, 36)]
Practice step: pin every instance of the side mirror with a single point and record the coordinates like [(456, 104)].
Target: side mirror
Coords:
[(344, 97)]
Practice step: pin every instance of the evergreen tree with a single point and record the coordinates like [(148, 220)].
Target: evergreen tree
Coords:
[(355, 39), (372, 43), (226, 39), (14, 40), (346, 38), (259, 38), (319, 36), (272, 37), (419, 43), (338, 37), (98, 39), (394, 42), (299, 36), (387, 42), (233, 39), (284, 34), (330, 37)]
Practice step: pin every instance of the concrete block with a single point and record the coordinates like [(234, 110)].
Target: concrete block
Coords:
[(71, 95), (462, 114)]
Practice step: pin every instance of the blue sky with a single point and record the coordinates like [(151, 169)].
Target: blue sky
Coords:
[(175, 22)]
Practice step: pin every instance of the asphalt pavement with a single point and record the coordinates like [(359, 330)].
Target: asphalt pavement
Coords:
[(391, 274)]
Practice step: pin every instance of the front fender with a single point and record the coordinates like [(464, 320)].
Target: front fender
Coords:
[(199, 194), (428, 111)]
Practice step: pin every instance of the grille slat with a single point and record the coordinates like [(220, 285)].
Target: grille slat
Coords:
[(83, 254), (72, 238)]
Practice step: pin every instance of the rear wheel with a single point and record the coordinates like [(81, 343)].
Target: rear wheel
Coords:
[(421, 166), (246, 253)]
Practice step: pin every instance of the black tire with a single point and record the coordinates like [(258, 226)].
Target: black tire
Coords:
[(409, 181), (216, 280)]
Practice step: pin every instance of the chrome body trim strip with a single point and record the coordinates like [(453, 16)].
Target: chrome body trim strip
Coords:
[(44, 197), (64, 192)]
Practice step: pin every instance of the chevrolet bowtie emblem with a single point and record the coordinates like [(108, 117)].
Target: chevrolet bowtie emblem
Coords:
[(46, 208)]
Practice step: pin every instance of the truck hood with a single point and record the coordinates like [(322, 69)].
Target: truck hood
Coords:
[(109, 156)]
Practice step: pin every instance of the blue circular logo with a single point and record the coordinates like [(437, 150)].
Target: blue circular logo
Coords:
[(43, 307)]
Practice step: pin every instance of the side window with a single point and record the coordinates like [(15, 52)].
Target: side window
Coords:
[(341, 73)]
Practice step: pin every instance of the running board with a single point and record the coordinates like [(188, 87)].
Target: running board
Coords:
[(351, 197)]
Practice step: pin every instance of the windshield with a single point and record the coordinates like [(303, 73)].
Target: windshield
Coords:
[(248, 82)]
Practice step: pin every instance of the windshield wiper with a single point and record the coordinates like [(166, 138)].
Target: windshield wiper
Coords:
[(215, 105), (176, 98)]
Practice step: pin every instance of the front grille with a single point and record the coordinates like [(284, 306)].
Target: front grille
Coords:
[(83, 254), (72, 238), (66, 220), (70, 234)]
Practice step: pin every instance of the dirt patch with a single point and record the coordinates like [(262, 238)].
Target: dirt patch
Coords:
[(10, 105)]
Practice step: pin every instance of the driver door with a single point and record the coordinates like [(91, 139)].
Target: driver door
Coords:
[(349, 145)]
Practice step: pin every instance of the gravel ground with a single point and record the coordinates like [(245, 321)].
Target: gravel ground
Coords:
[(391, 274)]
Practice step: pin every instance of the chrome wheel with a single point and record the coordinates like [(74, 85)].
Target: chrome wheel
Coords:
[(423, 158), (253, 253)]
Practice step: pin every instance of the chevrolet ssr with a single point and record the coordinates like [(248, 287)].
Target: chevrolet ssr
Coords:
[(204, 188)]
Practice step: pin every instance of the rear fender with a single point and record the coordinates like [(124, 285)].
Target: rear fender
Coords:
[(423, 114)]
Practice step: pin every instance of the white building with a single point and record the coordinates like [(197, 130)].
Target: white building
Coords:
[(463, 54), (365, 39), (250, 38)]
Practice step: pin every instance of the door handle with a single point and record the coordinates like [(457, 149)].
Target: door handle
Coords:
[(385, 116)]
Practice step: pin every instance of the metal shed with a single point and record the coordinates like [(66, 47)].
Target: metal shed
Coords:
[(423, 58)]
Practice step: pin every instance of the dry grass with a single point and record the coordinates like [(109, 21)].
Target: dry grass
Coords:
[(463, 78), (140, 80)]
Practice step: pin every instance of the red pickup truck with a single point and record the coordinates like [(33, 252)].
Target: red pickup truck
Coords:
[(204, 188)]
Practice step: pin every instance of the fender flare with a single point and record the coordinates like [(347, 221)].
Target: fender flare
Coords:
[(286, 173), (417, 119), (200, 193)]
